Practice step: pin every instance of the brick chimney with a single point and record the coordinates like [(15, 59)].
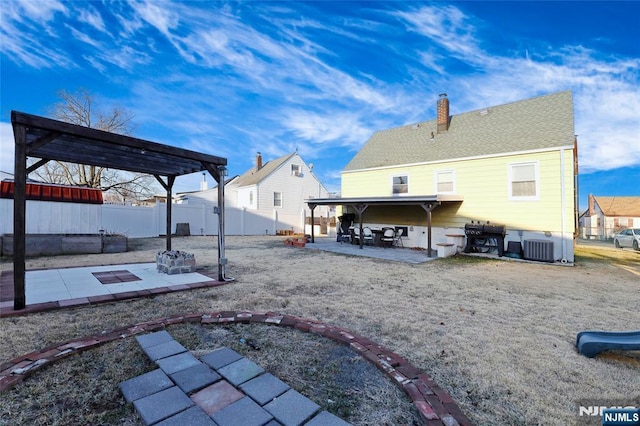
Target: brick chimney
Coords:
[(443, 113), (258, 161), (592, 205)]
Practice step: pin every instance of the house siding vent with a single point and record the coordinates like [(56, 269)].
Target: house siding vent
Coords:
[(443, 113)]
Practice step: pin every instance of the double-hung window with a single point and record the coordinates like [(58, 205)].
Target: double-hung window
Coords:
[(400, 185), (524, 181), (277, 199), (445, 182)]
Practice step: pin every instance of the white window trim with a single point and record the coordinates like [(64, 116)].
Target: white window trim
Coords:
[(400, 194), (435, 181), (281, 199), (536, 197)]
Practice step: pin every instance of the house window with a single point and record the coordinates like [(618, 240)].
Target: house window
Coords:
[(295, 170), (445, 182), (523, 181), (400, 185), (277, 199), (250, 198)]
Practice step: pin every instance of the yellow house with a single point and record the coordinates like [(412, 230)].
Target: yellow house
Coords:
[(513, 164)]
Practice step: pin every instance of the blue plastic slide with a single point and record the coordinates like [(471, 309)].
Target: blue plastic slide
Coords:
[(591, 343)]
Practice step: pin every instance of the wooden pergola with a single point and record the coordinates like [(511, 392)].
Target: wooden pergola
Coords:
[(52, 140)]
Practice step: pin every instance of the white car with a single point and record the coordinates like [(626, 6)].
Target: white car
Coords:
[(628, 238)]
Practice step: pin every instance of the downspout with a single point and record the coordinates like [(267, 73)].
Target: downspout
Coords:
[(576, 192), (562, 207)]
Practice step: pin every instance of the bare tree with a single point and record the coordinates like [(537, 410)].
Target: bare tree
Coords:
[(80, 108)]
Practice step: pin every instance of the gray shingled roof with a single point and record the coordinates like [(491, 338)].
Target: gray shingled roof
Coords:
[(537, 123), (253, 176)]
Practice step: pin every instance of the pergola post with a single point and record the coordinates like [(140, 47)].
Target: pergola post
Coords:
[(170, 181), (428, 207), (19, 216), (313, 238), (360, 209), (218, 173), (168, 187), (222, 259)]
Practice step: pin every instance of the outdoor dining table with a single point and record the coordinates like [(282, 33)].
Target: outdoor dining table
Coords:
[(377, 237)]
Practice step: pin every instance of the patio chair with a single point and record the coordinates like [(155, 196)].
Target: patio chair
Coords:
[(388, 237), (398, 238), (367, 236)]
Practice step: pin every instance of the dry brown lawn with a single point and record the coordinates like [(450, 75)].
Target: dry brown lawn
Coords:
[(498, 335)]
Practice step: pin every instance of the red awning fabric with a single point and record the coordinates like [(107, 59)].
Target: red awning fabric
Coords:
[(50, 192)]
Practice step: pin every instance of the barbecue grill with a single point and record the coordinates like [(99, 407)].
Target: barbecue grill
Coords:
[(483, 238)]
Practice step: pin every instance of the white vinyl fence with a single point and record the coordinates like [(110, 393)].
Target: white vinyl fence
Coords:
[(47, 217)]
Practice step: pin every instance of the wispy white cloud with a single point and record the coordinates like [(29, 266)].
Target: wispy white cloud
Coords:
[(91, 16), (19, 21), (83, 37), (338, 129), (161, 18)]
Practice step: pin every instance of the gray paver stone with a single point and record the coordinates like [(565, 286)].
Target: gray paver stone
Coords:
[(264, 388), (220, 357), (194, 416), (244, 412), (194, 378), (164, 350), (240, 371), (273, 422), (292, 408), (325, 418), (153, 339), (162, 405), (178, 362), (145, 385)]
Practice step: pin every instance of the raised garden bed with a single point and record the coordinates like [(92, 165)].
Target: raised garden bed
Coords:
[(56, 244)]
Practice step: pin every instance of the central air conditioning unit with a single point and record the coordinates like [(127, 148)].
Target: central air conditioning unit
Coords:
[(540, 250)]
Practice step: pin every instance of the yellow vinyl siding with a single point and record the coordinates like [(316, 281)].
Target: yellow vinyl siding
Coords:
[(484, 184)]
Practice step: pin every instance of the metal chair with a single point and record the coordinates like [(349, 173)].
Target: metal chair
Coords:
[(398, 238)]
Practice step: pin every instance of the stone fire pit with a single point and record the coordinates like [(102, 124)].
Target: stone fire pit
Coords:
[(175, 262)]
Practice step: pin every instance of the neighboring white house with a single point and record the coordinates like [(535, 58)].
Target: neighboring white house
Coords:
[(607, 216), (270, 195)]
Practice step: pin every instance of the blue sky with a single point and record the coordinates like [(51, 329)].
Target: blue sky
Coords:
[(235, 78)]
